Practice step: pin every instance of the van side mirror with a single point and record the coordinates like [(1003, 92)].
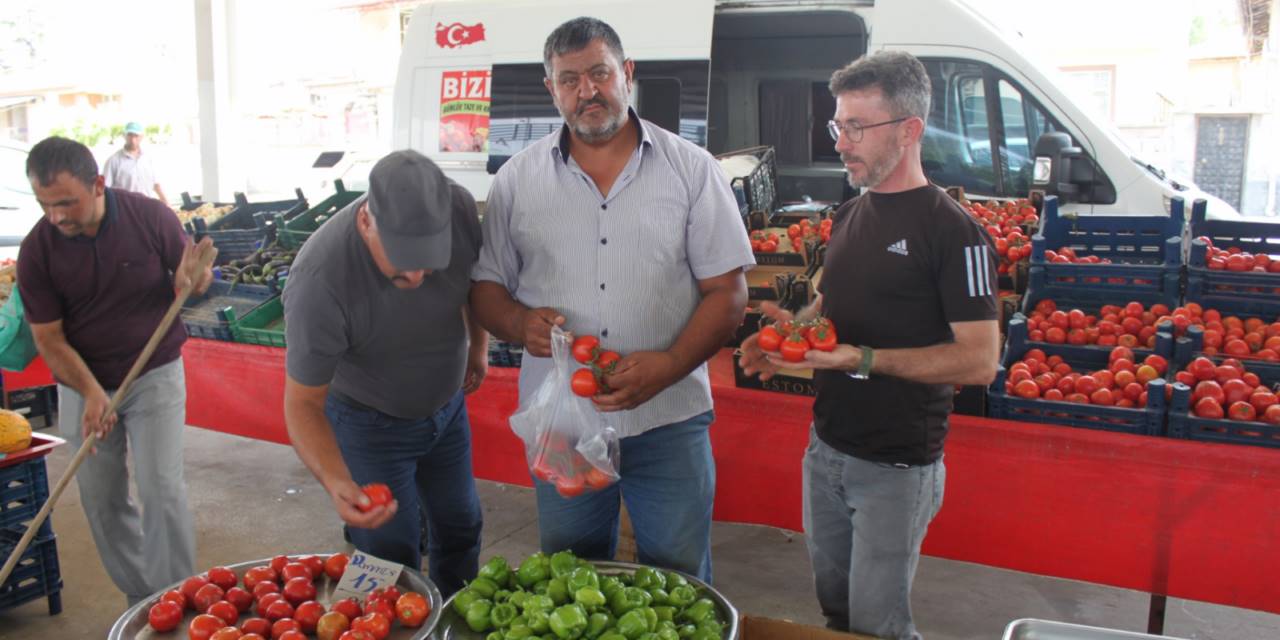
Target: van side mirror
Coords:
[(1057, 168)]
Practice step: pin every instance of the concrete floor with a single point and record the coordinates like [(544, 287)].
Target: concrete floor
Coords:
[(254, 500)]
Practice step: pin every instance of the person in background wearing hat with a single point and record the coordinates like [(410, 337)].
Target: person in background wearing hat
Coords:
[(130, 169), (381, 349)]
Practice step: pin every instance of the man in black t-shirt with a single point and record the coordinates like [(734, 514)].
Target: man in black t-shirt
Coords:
[(909, 286)]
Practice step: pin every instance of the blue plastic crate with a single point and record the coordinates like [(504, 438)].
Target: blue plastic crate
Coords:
[(1123, 239), (23, 489), (1091, 300), (1253, 235), (246, 228), (1018, 343), (36, 575), (1147, 420), (204, 316), (1218, 287), (1191, 346)]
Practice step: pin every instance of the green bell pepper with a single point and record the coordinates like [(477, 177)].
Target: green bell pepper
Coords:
[(611, 635), (660, 596), (533, 570), (665, 613), (596, 625), (519, 630), (712, 627), (626, 600), (464, 600), (518, 598), (609, 585), (558, 589), (484, 587), (541, 587), (494, 635), (563, 563), (496, 569), (648, 636), (501, 595), (633, 624), (682, 596), (539, 621), (503, 614), (649, 578), (700, 611), (668, 634), (590, 598), (686, 630), (539, 602), (478, 616), (650, 618), (568, 622), (703, 634), (583, 577), (674, 580)]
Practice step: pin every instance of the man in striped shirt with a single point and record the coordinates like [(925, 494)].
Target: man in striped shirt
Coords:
[(908, 283), (616, 228)]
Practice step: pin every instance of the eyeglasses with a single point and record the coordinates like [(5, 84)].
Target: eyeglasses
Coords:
[(853, 131)]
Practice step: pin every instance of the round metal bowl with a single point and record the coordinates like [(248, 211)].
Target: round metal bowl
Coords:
[(132, 625), (454, 627)]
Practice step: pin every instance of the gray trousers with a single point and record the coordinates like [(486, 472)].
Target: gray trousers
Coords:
[(864, 522), (142, 553)]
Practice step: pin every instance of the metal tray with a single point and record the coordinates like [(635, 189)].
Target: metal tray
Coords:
[(133, 624), (453, 627), (1032, 629)]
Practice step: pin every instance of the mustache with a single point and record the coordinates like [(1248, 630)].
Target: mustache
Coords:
[(849, 158), (596, 101)]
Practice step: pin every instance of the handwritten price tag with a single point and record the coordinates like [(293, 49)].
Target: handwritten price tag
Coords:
[(364, 575)]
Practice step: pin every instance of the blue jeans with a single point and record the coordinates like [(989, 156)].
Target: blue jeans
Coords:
[(427, 464), (864, 522), (669, 483)]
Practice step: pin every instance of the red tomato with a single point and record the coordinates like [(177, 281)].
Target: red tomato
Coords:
[(768, 246), (331, 625), (260, 626), (356, 634), (379, 495), (1242, 411), (596, 479), (823, 338), (298, 590), (1272, 414), (203, 626), (585, 349), (176, 597), (607, 360), (335, 565), (190, 586), (349, 607), (769, 339), (1209, 389), (412, 609), (263, 588), (794, 231), (1161, 365), (1102, 397), (1027, 389), (205, 596), (240, 598), (227, 633), (375, 624), (583, 383), (164, 616), (315, 564), (278, 610), (283, 626), (1235, 390), (256, 575), (1086, 385), (223, 577), (225, 610), (1146, 373), (278, 563), (298, 569), (794, 348), (567, 486), (1207, 407), (290, 635)]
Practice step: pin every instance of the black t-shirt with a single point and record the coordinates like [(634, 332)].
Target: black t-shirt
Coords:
[(899, 268)]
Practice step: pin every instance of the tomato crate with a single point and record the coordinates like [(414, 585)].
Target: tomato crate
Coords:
[(1148, 420), (292, 233), (1188, 426), (1251, 235), (263, 325), (1191, 346), (757, 191), (1017, 343), (210, 315), (36, 574), (246, 228), (1090, 299)]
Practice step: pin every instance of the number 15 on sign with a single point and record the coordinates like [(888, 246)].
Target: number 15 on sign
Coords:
[(366, 574)]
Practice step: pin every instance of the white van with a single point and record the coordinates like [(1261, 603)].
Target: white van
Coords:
[(730, 74)]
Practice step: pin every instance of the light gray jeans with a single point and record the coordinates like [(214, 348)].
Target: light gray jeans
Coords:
[(864, 522), (142, 553)]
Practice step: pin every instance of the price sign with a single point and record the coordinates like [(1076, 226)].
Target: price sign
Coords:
[(364, 575)]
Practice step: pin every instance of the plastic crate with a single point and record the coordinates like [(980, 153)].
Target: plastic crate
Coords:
[(34, 402), (1215, 287), (246, 228), (1019, 342), (1091, 298), (294, 232), (263, 325), (23, 489), (1253, 235), (758, 191), (207, 317), (1186, 425), (505, 354), (36, 575), (1145, 254), (1147, 420), (191, 204), (1191, 346)]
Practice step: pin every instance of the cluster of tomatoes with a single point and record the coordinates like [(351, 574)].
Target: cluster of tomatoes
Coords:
[(1248, 338), (1004, 222), (794, 339), (589, 381), (1067, 255), (1228, 390), (763, 241), (559, 463), (280, 598), (1233, 259), (1123, 383), (1132, 325)]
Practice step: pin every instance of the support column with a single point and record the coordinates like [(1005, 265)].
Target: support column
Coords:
[(221, 175)]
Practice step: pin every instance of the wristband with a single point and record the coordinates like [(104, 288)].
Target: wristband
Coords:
[(864, 367)]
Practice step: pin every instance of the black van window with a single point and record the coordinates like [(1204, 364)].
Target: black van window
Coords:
[(1023, 121), (957, 140)]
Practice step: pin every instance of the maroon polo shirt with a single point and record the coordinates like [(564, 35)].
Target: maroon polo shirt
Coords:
[(110, 291)]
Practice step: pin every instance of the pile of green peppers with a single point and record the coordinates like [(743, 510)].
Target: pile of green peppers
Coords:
[(562, 597)]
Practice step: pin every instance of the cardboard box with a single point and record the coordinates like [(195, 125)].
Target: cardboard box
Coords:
[(760, 281), (757, 628), (797, 382)]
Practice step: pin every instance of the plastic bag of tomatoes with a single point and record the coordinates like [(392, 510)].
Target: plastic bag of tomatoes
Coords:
[(567, 442)]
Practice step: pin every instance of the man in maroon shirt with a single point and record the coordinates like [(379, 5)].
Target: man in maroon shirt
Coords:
[(96, 275)]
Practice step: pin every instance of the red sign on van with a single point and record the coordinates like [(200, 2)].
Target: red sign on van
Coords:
[(457, 34), (464, 111)]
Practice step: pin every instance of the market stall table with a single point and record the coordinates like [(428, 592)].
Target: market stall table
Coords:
[(1178, 518)]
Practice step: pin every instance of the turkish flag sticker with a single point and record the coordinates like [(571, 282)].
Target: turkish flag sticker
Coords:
[(457, 34)]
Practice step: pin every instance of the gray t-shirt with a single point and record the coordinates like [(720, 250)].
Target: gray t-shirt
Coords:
[(402, 352)]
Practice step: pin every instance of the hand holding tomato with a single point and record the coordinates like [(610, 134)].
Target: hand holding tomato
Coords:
[(637, 378), (537, 330), (768, 339), (356, 509)]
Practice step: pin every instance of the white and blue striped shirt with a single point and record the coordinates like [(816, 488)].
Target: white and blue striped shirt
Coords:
[(623, 266)]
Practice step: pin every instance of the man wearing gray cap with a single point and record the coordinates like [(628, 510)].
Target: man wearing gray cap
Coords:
[(381, 349)]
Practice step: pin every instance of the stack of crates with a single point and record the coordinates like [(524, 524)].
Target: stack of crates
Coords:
[(1242, 292), (247, 227), (24, 488)]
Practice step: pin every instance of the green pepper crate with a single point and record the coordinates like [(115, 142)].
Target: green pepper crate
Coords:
[(292, 233), (263, 325)]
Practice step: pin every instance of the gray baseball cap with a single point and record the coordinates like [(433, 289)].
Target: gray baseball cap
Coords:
[(412, 202)]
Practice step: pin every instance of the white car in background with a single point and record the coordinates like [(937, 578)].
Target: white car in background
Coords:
[(18, 208)]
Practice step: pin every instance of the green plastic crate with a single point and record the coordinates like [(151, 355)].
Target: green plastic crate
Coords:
[(263, 325), (292, 233)]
